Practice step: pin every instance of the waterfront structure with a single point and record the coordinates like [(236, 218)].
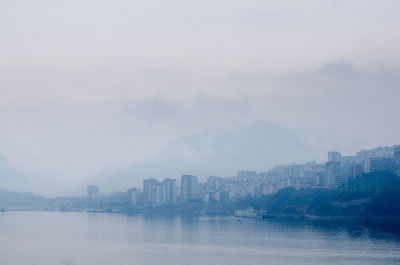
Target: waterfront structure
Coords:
[(133, 196), (148, 189), (189, 187), (170, 185), (158, 195)]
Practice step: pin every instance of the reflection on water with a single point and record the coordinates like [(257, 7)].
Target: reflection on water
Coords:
[(81, 238)]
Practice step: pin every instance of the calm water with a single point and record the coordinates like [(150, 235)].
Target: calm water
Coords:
[(89, 239)]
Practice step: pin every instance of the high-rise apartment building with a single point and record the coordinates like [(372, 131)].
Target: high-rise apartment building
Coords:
[(170, 185), (189, 187), (148, 189), (333, 178), (379, 164), (158, 195), (133, 196)]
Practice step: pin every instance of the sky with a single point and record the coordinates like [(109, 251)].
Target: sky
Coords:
[(85, 84)]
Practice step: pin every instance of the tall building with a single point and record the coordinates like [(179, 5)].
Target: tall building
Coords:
[(366, 155), (352, 166), (379, 164), (386, 151), (170, 185), (355, 170), (214, 183), (148, 189), (133, 196), (189, 187), (334, 156), (332, 173), (159, 195), (92, 191)]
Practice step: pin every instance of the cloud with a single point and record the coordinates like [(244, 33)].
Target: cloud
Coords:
[(340, 69)]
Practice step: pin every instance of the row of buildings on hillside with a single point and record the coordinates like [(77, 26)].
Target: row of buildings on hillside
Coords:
[(335, 172)]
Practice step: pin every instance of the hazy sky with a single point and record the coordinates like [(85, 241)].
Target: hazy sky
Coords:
[(87, 83)]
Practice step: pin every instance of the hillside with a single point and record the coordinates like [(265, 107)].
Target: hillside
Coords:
[(21, 200), (10, 178), (257, 146), (375, 195)]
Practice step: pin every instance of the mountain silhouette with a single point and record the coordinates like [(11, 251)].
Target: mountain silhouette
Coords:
[(222, 152)]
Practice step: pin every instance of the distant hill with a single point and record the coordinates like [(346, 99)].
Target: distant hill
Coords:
[(18, 200), (373, 195), (10, 178), (14, 180), (222, 152)]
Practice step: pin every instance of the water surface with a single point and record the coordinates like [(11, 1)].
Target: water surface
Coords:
[(50, 238)]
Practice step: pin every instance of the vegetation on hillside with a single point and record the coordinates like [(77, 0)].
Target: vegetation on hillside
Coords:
[(371, 195)]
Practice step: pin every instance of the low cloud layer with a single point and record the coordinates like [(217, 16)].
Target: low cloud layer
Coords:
[(86, 84), (335, 107)]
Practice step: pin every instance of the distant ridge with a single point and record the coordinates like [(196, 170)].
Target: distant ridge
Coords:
[(222, 151), (10, 178)]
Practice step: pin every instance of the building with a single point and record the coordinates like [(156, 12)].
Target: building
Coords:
[(332, 174), (246, 173), (148, 189), (170, 185), (355, 170), (133, 196), (334, 156), (379, 164), (214, 183), (386, 151), (221, 196), (92, 191), (366, 155), (189, 187), (159, 195)]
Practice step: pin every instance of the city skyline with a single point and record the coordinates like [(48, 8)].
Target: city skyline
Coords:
[(337, 171)]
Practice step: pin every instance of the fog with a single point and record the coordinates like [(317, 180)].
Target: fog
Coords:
[(88, 84)]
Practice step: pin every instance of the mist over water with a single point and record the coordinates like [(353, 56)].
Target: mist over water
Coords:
[(51, 238)]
